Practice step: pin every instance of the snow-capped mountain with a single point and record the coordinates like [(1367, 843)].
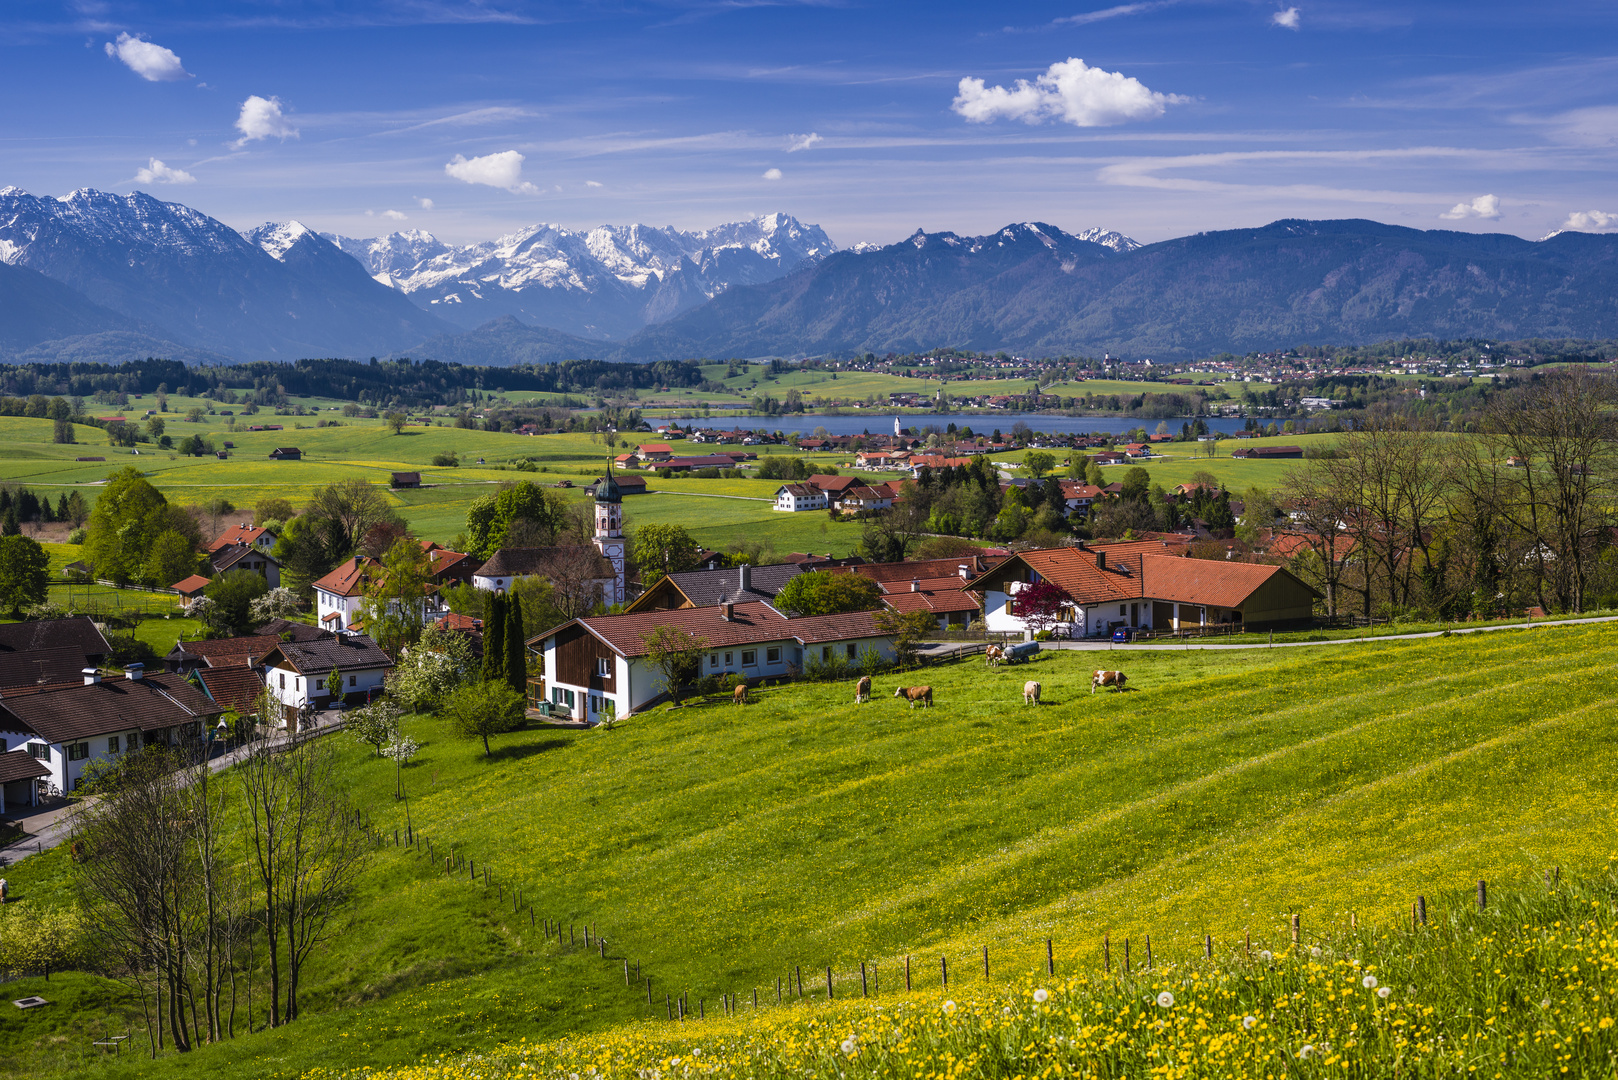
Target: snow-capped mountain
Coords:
[(604, 283), (1107, 238), (187, 278)]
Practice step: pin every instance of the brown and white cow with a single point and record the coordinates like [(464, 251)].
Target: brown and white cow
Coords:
[(994, 655), (913, 694), (1030, 693), (1114, 679), (862, 689), (740, 696)]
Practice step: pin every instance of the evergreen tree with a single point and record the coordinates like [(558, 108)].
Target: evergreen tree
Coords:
[(494, 639), (62, 512), (516, 647), (10, 527)]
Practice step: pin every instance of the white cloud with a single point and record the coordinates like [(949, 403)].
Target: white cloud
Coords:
[(801, 142), (1085, 18), (151, 62), (394, 215), (158, 173), (1291, 18), (1070, 91), (772, 174), (593, 183), (262, 118), (425, 204), (1590, 221), (502, 170), (1484, 206)]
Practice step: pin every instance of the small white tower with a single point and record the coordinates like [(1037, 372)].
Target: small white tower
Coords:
[(609, 538), (897, 430)]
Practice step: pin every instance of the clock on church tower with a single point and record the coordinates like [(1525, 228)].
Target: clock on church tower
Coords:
[(609, 538)]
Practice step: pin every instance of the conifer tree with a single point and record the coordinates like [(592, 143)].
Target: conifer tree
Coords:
[(494, 639), (516, 647)]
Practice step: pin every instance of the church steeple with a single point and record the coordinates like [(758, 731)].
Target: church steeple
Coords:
[(609, 538)]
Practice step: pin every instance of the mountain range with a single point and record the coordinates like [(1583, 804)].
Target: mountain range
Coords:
[(97, 276)]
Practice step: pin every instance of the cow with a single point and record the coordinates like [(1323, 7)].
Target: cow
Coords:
[(1108, 678), (1030, 693), (740, 696), (862, 689), (913, 694), (993, 655)]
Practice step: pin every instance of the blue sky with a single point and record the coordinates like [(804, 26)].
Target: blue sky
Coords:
[(1153, 117)]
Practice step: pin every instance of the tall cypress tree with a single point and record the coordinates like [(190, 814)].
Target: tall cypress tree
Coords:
[(516, 647), (494, 639)]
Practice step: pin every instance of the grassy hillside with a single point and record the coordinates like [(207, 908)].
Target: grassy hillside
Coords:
[(722, 847)]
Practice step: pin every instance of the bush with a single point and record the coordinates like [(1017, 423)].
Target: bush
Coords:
[(834, 670), (871, 663), (78, 536), (1045, 635), (447, 460)]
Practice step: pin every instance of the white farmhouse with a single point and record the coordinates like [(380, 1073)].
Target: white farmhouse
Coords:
[(795, 497), (296, 672), (596, 667)]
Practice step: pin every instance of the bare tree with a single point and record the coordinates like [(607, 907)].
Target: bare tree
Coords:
[(1562, 433), (1320, 501), (576, 573)]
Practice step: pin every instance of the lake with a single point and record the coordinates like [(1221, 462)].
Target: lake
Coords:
[(876, 423)]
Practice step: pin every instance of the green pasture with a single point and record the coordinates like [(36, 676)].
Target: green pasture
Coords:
[(721, 847)]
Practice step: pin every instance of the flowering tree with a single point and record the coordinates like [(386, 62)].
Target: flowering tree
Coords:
[(376, 725), (278, 603), (1040, 605), (430, 669)]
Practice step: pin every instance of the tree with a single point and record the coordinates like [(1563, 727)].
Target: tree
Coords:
[(494, 639), (1039, 462), (890, 535), (279, 603), (330, 529), (374, 725), (479, 710), (430, 670), (822, 593), (173, 558), (272, 509), (62, 432), (129, 514), (516, 664), (676, 656), (24, 573), (1041, 605), (395, 599), (1137, 482), (490, 517), (664, 549), (232, 595), (395, 421), (908, 629)]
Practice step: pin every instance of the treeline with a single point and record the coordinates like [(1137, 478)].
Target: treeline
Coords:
[(403, 382)]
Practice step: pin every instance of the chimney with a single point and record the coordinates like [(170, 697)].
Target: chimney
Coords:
[(91, 676), (746, 578), (965, 572), (134, 672), (727, 611), (1101, 560), (915, 585)]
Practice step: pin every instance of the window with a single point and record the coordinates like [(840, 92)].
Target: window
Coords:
[(112, 745), (561, 697), (353, 680), (729, 659), (603, 667), (772, 656), (1120, 609), (78, 751), (40, 751), (852, 649), (713, 661), (283, 682), (749, 657), (825, 653)]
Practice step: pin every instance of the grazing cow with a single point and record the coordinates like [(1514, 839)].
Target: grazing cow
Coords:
[(993, 655), (740, 696), (1030, 693), (862, 689), (913, 694), (1108, 678)]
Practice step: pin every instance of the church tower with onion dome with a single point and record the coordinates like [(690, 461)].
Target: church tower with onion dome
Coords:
[(609, 538)]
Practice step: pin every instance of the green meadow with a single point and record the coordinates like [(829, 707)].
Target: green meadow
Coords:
[(722, 847)]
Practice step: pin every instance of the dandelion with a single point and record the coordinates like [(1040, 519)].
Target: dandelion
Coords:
[(949, 1008), (1383, 991), (1042, 995), (1314, 951), (849, 1045), (1248, 1022), (1165, 1000), (1369, 982), (1545, 1004), (1265, 955), (1305, 1052)]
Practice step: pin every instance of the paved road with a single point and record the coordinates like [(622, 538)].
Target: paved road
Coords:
[(50, 826)]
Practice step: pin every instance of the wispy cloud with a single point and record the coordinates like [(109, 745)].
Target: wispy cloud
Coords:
[(155, 172), (262, 118), (801, 142), (1290, 19), (1118, 11), (1070, 91), (1484, 206), (147, 59), (501, 170), (425, 204)]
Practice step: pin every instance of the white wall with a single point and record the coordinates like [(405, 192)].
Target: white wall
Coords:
[(64, 773)]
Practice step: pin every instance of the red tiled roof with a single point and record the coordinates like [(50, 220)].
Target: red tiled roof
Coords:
[(925, 568), (229, 652), (941, 595), (236, 687), (239, 534), (1209, 582), (193, 584), (750, 624), (350, 577), (833, 484)]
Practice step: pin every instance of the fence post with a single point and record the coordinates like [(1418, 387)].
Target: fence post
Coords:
[(1126, 956), (1483, 894), (798, 969), (1207, 945), (1421, 909), (865, 987), (943, 967), (1050, 958), (778, 989), (1148, 952), (1297, 931), (907, 974), (1106, 953), (985, 963), (755, 997), (828, 982)]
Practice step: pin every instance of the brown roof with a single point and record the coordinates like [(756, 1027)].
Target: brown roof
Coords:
[(750, 624), (227, 557), (111, 705), (295, 631), (1210, 582), (78, 632), (41, 667), (833, 484), (922, 568), (191, 585), (522, 562), (939, 595), (228, 652), (407, 478), (1133, 576), (238, 534), (351, 652), (351, 576), (21, 765), (235, 688)]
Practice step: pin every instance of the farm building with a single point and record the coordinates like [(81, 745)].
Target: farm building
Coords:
[(190, 588), (243, 556), (1140, 585), (405, 480), (286, 453), (795, 498), (49, 652), (596, 668), (705, 588), (1251, 453)]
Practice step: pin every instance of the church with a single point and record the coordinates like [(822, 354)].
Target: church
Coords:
[(508, 566)]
